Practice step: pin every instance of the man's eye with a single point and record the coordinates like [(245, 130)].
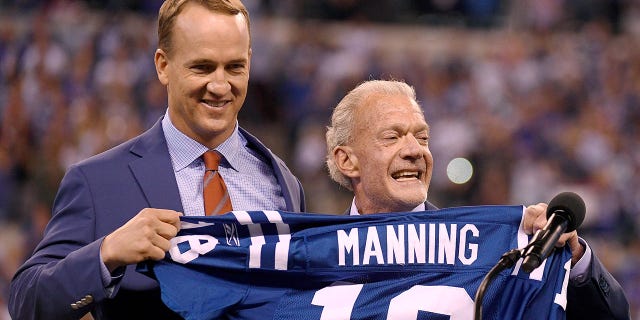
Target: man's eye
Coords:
[(237, 67), (201, 68), (422, 139)]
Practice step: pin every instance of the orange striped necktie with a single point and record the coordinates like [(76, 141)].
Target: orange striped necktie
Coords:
[(215, 194)]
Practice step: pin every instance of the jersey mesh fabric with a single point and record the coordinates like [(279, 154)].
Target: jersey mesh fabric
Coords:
[(419, 265)]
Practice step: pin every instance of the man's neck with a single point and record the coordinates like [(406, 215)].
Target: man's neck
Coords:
[(355, 210)]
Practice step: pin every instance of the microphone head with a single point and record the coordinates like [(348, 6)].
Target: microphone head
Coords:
[(569, 205)]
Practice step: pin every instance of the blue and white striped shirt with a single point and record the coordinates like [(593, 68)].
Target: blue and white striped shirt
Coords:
[(250, 179)]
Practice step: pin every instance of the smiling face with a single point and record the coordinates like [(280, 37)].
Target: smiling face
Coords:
[(388, 158), (206, 73)]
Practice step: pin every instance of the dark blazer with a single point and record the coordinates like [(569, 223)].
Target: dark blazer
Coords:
[(62, 280), (598, 297)]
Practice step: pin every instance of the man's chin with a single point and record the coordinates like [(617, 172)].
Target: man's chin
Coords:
[(409, 202)]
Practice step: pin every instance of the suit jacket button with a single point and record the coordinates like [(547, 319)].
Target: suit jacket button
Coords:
[(86, 300), (604, 285)]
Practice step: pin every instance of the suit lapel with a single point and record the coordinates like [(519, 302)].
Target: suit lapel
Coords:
[(288, 186), (153, 170)]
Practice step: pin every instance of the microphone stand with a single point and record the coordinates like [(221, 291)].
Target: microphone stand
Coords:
[(506, 261)]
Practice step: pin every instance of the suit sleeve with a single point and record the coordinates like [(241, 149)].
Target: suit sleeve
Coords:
[(598, 297), (62, 278)]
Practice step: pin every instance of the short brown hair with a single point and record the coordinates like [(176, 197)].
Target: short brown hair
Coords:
[(170, 9)]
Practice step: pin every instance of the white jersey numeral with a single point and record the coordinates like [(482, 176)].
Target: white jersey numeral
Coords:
[(339, 299), (199, 245)]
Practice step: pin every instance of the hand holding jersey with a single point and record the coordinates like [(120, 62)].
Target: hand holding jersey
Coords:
[(145, 236), (535, 218)]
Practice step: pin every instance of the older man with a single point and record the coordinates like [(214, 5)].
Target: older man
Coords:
[(378, 147)]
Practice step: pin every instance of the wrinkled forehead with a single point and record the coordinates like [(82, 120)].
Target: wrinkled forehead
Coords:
[(379, 108)]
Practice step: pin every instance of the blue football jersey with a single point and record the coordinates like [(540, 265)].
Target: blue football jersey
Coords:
[(416, 265)]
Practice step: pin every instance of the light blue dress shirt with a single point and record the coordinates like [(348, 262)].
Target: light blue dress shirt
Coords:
[(249, 178)]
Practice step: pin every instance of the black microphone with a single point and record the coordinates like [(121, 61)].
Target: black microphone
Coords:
[(565, 213)]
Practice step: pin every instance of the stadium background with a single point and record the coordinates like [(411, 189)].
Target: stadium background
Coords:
[(540, 96)]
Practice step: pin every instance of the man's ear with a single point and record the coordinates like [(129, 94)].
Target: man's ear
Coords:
[(161, 62), (346, 161)]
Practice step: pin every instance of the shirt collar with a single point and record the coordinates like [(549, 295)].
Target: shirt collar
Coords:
[(230, 148), (354, 209), (184, 150)]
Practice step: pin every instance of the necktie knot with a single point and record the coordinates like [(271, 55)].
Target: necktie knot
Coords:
[(211, 159), (215, 195)]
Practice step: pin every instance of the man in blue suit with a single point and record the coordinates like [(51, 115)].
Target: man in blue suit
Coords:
[(122, 207), (378, 147)]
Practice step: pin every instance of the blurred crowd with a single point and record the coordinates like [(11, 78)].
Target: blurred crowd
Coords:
[(541, 96)]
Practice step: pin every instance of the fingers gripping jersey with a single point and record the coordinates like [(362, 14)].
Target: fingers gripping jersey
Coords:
[(419, 265)]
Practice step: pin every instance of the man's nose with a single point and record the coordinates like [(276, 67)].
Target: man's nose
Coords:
[(218, 83), (412, 147)]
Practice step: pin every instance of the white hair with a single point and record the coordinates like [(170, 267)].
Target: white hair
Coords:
[(339, 133)]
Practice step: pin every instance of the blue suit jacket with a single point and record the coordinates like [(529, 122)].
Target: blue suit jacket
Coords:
[(62, 280)]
